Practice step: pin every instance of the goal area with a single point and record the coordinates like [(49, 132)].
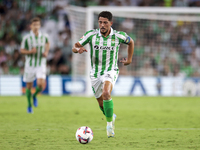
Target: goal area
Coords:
[(166, 40)]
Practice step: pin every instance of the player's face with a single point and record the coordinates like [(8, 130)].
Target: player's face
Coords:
[(104, 25), (35, 26)]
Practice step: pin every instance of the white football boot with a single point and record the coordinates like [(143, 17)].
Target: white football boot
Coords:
[(110, 131), (113, 121)]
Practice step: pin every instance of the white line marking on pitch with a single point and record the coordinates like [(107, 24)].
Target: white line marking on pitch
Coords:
[(165, 129)]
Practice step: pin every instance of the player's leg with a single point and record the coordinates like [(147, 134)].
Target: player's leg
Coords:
[(109, 81), (41, 77), (97, 90), (108, 107), (28, 95), (107, 101), (40, 83), (100, 101), (38, 89), (29, 77)]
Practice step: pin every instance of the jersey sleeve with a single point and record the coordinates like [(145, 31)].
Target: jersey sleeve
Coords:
[(124, 38), (46, 38), (24, 43), (86, 38)]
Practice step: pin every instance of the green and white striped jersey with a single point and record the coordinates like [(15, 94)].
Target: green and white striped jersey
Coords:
[(104, 50), (29, 41)]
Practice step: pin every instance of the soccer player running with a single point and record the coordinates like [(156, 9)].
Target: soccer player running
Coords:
[(35, 46), (104, 47)]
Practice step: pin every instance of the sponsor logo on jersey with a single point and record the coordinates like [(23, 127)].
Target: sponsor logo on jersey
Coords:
[(108, 76), (97, 47)]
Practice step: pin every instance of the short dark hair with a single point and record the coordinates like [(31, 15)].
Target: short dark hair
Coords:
[(106, 14), (35, 19)]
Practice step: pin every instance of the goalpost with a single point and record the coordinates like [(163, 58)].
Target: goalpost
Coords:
[(159, 34)]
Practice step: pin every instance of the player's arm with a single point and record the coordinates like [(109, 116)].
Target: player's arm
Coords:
[(78, 48), (27, 52), (128, 60), (24, 47), (47, 47)]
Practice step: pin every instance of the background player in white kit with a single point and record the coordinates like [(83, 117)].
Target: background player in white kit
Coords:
[(35, 46), (104, 46)]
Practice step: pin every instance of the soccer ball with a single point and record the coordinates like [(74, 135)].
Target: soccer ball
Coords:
[(84, 135)]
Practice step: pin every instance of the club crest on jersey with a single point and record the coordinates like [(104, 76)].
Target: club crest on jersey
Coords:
[(97, 47), (113, 41)]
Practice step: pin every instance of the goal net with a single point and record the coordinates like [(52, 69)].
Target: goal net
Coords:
[(167, 40)]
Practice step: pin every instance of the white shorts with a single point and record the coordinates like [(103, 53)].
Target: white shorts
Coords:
[(31, 73), (97, 83)]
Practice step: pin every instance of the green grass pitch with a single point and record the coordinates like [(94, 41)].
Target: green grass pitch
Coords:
[(143, 123)]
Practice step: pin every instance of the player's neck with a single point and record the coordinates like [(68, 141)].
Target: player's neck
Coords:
[(107, 33), (36, 33)]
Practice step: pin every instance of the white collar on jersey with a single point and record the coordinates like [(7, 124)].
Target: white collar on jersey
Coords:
[(39, 33), (111, 32)]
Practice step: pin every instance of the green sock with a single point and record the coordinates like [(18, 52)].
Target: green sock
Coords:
[(108, 109), (37, 91), (102, 110), (28, 95)]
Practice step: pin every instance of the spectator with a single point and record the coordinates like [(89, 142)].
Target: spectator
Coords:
[(3, 57), (127, 25), (67, 47), (188, 44), (193, 60), (39, 10), (154, 39), (103, 2), (58, 64), (174, 56), (166, 71), (11, 46), (194, 3), (176, 71), (181, 3), (146, 3), (187, 69), (146, 70), (4, 68)]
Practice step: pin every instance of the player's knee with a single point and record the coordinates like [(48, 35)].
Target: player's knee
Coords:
[(100, 103), (106, 95), (39, 85), (28, 87)]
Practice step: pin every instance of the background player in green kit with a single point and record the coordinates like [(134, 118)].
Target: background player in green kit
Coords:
[(35, 46), (104, 46)]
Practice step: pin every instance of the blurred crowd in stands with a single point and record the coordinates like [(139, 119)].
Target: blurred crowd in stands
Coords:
[(162, 48)]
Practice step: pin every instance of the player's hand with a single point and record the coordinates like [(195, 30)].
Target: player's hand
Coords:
[(125, 61), (44, 54), (33, 51), (81, 50)]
